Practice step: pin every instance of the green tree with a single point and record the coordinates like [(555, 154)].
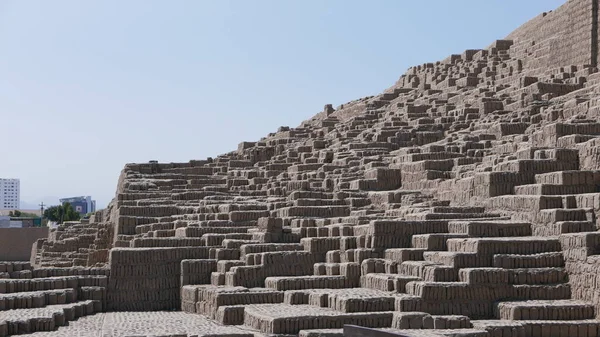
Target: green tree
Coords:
[(15, 214), (19, 214), (29, 215), (52, 213), (62, 213)]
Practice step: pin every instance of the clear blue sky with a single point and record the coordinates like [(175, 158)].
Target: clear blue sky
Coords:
[(88, 86)]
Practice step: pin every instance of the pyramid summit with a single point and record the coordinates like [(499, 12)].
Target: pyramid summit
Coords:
[(461, 201)]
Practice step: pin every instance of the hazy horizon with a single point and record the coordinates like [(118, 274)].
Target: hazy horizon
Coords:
[(87, 87)]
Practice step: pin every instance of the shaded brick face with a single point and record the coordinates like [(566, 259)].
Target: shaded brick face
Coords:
[(565, 36)]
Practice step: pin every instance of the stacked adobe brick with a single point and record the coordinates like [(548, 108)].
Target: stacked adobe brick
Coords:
[(463, 199), (42, 299)]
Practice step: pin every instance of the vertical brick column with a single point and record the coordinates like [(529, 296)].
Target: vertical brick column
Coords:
[(595, 28)]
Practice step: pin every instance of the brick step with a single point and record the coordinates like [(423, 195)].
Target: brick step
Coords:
[(326, 269), (542, 260), (60, 282), (307, 282), (512, 276), (487, 292), (217, 278), (440, 273), (321, 333), (269, 247), (435, 241), (49, 318), (534, 166), (73, 271), (206, 299), (545, 310), (290, 319), (564, 227), (414, 157), (580, 245), (198, 232), (216, 239), (524, 292), (416, 269), (496, 327), (577, 328), (375, 265), (284, 264), (230, 314), (438, 333), (490, 228), (236, 243), (422, 320), (141, 229), (224, 266), (21, 274), (319, 202), (404, 254), (450, 216), (451, 209), (10, 266), (37, 299), (548, 189), (524, 203), (386, 282), (569, 178), (549, 216), (474, 309), (313, 211), (516, 245), (457, 259), (163, 233), (221, 254), (559, 328), (353, 299), (445, 291)]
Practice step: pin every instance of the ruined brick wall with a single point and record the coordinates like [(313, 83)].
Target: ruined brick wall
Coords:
[(16, 243), (566, 36)]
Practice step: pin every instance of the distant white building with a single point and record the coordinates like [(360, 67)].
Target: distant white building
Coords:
[(10, 193)]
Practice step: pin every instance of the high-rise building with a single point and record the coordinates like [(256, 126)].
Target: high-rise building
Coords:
[(81, 205), (10, 193)]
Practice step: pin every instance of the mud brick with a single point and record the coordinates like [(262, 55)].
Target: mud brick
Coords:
[(197, 271), (230, 315), (464, 198)]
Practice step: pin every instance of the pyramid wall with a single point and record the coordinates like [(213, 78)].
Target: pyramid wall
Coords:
[(565, 36), (463, 199)]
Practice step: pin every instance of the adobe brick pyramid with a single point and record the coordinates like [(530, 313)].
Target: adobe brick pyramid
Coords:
[(462, 201)]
